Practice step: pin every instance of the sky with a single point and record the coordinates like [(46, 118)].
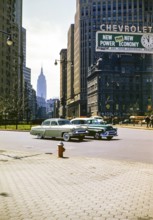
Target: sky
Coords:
[(47, 23)]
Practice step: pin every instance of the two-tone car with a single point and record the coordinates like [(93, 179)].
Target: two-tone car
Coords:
[(97, 128), (59, 128)]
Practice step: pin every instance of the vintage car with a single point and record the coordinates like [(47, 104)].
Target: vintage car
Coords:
[(97, 128), (59, 128)]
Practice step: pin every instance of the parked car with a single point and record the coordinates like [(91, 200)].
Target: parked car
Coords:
[(59, 128), (96, 128), (125, 121)]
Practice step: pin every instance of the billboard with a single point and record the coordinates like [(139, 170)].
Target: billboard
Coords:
[(124, 42)]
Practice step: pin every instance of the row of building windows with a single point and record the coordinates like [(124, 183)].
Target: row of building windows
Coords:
[(104, 8)]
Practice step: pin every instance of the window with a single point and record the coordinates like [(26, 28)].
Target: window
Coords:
[(63, 122), (46, 123), (53, 123)]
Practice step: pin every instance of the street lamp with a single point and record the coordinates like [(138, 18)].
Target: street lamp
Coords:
[(66, 67), (9, 40), (63, 61)]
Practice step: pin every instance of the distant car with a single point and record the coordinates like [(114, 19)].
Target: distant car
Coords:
[(59, 128), (125, 121), (96, 128)]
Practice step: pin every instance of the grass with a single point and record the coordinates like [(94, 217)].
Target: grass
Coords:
[(24, 127)]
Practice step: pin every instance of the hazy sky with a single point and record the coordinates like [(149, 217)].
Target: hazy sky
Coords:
[(47, 23)]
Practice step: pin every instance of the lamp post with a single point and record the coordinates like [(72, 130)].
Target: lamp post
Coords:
[(63, 61), (63, 82), (9, 40)]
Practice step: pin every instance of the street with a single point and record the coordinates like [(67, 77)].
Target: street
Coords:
[(130, 144), (95, 180)]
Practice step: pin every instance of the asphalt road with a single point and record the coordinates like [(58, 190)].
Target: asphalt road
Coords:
[(131, 144)]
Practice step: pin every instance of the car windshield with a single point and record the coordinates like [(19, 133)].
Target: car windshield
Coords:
[(63, 122), (108, 128)]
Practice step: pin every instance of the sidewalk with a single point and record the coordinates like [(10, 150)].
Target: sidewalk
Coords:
[(134, 126), (42, 186)]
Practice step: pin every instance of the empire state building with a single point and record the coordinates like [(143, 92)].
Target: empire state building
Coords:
[(41, 85)]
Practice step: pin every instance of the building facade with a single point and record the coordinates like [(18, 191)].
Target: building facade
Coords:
[(29, 96), (70, 73), (122, 88), (53, 108), (112, 16), (11, 58)]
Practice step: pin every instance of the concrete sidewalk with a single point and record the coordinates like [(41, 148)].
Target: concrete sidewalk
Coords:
[(134, 126), (42, 186)]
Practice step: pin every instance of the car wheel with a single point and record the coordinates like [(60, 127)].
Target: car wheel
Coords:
[(66, 137), (109, 138), (97, 136)]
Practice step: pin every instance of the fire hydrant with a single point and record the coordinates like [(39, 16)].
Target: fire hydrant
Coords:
[(61, 149)]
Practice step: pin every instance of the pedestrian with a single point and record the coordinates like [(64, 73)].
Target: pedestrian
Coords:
[(147, 119), (151, 121)]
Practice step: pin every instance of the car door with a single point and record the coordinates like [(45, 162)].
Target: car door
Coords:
[(45, 127), (54, 130)]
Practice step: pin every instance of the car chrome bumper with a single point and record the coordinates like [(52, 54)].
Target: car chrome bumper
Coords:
[(109, 134)]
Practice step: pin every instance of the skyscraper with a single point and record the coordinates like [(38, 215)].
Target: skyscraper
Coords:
[(41, 85), (11, 71), (134, 16)]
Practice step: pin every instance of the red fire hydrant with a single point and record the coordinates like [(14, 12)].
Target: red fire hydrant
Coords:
[(61, 149)]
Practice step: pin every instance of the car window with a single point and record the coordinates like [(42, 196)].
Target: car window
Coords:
[(82, 122), (53, 123), (95, 122), (46, 123), (89, 122), (64, 122), (79, 122), (75, 122)]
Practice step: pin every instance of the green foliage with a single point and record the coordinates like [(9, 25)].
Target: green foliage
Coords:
[(23, 127)]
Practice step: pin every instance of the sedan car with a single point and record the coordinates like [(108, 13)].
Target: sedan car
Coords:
[(96, 128), (59, 128)]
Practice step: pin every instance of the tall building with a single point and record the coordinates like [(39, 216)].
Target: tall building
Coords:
[(41, 85), (41, 95), (29, 95), (116, 16), (11, 57)]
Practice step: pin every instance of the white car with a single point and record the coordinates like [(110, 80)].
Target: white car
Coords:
[(59, 128)]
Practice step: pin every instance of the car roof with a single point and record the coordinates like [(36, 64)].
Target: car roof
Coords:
[(81, 119), (57, 119)]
